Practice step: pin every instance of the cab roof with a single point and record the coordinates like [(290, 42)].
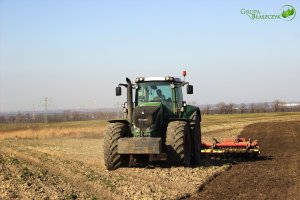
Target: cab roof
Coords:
[(149, 79)]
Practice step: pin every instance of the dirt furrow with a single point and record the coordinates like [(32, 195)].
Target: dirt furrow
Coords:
[(22, 179), (80, 182), (130, 183)]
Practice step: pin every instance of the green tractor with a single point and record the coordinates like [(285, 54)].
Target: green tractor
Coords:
[(157, 125)]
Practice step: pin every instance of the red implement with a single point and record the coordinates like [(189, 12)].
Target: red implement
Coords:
[(231, 147)]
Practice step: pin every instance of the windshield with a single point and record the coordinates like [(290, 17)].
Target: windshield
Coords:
[(154, 92)]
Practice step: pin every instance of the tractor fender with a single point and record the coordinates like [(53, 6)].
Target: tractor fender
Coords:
[(196, 112), (190, 112), (189, 115)]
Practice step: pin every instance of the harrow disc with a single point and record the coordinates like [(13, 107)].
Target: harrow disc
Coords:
[(231, 148)]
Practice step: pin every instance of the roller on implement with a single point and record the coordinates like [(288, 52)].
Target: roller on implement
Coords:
[(239, 147)]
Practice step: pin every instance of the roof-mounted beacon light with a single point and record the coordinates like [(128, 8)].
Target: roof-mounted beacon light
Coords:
[(183, 74)]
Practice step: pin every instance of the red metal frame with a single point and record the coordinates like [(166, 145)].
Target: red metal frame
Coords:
[(231, 143)]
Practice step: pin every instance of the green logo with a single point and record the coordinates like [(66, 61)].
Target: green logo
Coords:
[(288, 12)]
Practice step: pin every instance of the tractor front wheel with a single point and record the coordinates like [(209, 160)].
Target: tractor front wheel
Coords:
[(178, 143), (112, 134)]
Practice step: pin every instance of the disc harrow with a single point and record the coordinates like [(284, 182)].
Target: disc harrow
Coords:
[(228, 148)]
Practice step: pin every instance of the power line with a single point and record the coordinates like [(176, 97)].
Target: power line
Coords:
[(33, 114), (45, 104)]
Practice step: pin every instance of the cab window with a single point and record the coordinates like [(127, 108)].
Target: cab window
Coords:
[(149, 92)]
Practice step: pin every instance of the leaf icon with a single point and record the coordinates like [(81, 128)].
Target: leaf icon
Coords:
[(287, 13)]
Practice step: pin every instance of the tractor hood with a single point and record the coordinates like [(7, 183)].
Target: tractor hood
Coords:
[(146, 119)]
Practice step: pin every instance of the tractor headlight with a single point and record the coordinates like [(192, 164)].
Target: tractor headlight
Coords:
[(169, 78), (139, 79)]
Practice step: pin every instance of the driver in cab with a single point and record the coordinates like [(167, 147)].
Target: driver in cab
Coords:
[(160, 96)]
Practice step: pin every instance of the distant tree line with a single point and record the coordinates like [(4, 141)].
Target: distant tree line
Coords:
[(220, 108), (58, 117), (232, 108)]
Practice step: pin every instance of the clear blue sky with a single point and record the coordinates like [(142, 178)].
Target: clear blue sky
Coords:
[(76, 52)]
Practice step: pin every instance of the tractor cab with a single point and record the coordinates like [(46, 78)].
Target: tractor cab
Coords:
[(165, 90), (157, 100)]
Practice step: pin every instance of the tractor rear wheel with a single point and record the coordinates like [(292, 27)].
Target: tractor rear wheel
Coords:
[(196, 137), (178, 143), (112, 134)]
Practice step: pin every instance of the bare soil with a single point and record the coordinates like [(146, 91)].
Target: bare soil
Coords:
[(72, 168), (275, 175)]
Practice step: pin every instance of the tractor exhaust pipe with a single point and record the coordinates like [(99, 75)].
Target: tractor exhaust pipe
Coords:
[(129, 100)]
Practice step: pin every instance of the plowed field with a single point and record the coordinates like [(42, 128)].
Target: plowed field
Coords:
[(274, 176), (72, 168)]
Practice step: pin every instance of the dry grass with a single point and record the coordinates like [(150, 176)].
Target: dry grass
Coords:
[(82, 129), (216, 126)]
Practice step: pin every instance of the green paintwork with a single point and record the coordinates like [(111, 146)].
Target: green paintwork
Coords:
[(156, 104), (149, 104), (189, 110), (155, 132), (170, 107)]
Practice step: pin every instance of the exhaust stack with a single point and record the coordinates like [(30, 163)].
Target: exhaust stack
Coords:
[(129, 100)]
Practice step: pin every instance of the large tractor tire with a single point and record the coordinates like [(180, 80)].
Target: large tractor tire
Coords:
[(178, 143), (196, 137), (112, 134)]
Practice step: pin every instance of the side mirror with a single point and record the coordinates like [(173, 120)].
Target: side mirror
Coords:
[(118, 91), (189, 89)]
